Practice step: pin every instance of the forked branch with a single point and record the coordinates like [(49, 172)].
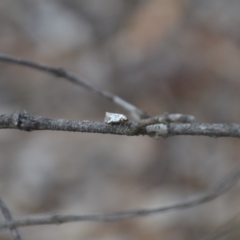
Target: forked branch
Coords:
[(8, 216), (60, 72)]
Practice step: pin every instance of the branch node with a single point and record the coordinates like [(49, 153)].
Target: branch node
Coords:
[(15, 118), (158, 130), (25, 123)]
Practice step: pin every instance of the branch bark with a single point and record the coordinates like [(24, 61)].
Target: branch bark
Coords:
[(26, 122)]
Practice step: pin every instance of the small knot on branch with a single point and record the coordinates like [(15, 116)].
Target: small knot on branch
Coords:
[(26, 122), (164, 119)]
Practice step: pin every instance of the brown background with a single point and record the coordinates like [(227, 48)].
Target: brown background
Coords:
[(161, 55)]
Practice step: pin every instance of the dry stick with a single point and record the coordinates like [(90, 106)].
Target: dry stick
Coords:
[(207, 196), (60, 72), (26, 122), (8, 216), (165, 118)]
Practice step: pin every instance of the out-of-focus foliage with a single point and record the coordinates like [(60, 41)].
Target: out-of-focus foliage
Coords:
[(161, 55)]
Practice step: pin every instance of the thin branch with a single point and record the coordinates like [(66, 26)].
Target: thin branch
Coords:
[(26, 122), (207, 196), (8, 216), (62, 73), (165, 118)]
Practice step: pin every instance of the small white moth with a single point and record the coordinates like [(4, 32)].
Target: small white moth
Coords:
[(114, 118)]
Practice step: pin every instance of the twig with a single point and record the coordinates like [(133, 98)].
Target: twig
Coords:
[(8, 216), (165, 118), (60, 72), (26, 122), (207, 196)]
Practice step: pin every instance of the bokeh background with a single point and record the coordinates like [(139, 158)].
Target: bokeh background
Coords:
[(161, 55)]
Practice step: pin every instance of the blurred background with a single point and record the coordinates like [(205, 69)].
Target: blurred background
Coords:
[(161, 55)]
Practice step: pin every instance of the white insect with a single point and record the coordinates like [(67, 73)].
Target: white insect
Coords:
[(114, 118)]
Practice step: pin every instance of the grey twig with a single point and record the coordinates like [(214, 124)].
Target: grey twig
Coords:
[(8, 216), (60, 72), (26, 122), (207, 196), (165, 118)]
